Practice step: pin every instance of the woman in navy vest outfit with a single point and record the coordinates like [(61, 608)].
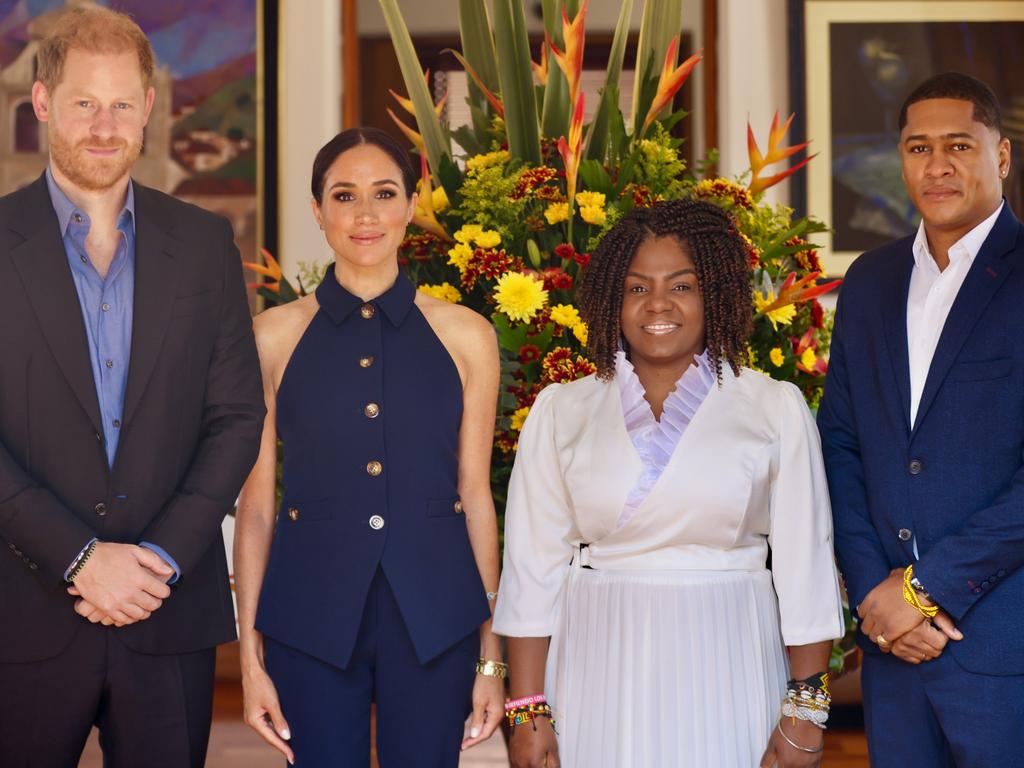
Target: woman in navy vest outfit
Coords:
[(370, 582)]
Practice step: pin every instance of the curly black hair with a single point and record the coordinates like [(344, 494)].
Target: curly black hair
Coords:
[(713, 242)]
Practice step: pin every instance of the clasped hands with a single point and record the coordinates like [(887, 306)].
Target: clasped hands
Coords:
[(898, 628), (121, 584)]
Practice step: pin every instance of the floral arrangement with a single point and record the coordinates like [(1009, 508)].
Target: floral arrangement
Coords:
[(508, 228)]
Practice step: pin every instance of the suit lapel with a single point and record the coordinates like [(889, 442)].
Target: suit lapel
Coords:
[(987, 274), (42, 265), (157, 266), (894, 318)]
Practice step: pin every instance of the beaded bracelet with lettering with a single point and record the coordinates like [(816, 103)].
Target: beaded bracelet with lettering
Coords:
[(537, 698), (80, 561), (913, 598), (529, 713), (489, 668)]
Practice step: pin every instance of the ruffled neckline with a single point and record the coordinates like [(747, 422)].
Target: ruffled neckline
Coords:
[(655, 441)]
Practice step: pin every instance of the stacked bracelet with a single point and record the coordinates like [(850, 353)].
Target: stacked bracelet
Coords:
[(524, 701), (489, 668), (808, 700), (80, 561), (528, 713), (913, 597)]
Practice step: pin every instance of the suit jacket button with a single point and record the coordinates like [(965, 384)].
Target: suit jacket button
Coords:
[(100, 509), (366, 362), (905, 534), (293, 514), (371, 410), (458, 507), (915, 466), (376, 522), (1000, 573), (33, 566), (374, 468), (367, 311)]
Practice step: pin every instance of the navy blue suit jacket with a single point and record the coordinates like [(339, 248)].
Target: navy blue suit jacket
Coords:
[(955, 482)]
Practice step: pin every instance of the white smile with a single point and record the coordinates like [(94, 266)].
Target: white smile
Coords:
[(659, 329)]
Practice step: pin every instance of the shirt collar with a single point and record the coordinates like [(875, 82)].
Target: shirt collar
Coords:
[(967, 246), (66, 209), (338, 303)]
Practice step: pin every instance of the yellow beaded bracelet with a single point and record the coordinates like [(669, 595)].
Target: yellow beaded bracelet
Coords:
[(911, 597)]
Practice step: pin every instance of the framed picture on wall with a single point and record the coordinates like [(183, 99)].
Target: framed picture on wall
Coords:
[(205, 142), (859, 61)]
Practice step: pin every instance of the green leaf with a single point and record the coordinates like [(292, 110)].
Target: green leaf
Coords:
[(451, 178), (555, 115), (516, 78), (466, 138), (551, 13), (510, 337), (478, 47), (597, 139), (430, 128), (661, 21), (596, 178)]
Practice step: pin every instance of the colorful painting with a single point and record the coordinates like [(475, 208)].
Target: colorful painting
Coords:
[(874, 54), (203, 140)]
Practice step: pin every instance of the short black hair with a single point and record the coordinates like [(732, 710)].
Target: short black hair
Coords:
[(713, 241), (956, 85), (354, 137)]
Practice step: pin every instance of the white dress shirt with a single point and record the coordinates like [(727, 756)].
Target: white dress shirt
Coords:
[(931, 296)]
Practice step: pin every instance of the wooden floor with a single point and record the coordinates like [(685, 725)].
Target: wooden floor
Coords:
[(233, 745)]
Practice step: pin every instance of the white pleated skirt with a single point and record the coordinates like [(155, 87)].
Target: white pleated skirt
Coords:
[(681, 669)]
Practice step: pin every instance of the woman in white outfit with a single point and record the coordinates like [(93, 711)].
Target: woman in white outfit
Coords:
[(643, 502)]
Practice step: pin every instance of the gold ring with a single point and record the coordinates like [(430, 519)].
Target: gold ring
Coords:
[(880, 639)]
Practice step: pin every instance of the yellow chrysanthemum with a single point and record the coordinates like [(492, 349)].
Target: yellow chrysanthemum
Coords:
[(808, 359), (581, 332), (556, 212), (587, 199), (776, 357), (657, 153), (468, 233), (445, 291), (480, 162), (565, 315), (460, 255), (519, 417), (593, 214), (783, 315), (439, 199), (519, 296), (487, 239)]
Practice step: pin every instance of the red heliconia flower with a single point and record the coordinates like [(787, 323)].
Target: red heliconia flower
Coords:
[(529, 353), (817, 314)]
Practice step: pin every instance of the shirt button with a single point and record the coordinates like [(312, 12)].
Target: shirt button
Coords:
[(293, 514), (915, 466), (99, 438), (905, 534), (376, 522), (78, 218), (110, 363), (365, 362), (105, 307), (371, 410), (82, 257), (117, 423), (374, 468), (100, 509), (367, 311)]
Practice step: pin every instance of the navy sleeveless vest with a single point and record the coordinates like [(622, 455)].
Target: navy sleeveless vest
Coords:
[(368, 410)]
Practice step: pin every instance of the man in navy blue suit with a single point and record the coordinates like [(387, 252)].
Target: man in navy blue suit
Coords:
[(922, 426)]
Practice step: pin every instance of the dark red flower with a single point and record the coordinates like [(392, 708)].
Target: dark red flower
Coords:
[(817, 314), (529, 353), (582, 259), (565, 251)]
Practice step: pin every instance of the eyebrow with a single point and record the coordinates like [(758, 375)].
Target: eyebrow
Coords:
[(350, 185), (686, 271), (947, 136)]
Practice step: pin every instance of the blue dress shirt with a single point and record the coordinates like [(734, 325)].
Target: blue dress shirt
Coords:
[(107, 309)]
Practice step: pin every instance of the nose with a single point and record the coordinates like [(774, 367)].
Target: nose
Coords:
[(365, 211), (103, 123), (657, 301), (938, 165)]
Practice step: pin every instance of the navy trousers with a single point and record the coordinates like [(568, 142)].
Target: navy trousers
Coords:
[(421, 708), (939, 715)]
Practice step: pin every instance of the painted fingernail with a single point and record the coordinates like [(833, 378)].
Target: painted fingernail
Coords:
[(474, 732), (286, 734)]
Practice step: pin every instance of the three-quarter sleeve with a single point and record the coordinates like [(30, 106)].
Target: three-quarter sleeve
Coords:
[(538, 530), (803, 566)]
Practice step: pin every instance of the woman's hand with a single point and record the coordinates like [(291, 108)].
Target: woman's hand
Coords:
[(263, 711), (488, 709), (531, 748), (782, 754)]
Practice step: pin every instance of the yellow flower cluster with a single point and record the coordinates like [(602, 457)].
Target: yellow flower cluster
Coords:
[(776, 357), (783, 315), (467, 239), (592, 207), (567, 316), (808, 359), (479, 162), (556, 213), (658, 153), (439, 199), (519, 418), (445, 291), (723, 189), (519, 297)]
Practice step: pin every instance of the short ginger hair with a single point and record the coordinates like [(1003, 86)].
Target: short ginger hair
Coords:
[(94, 29)]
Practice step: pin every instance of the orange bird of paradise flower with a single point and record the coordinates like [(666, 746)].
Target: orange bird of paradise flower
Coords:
[(570, 150), (425, 218), (776, 153), (414, 136), (272, 270), (571, 60), (795, 291), (670, 81)]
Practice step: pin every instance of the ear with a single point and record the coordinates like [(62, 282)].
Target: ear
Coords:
[(41, 101), (316, 212), (412, 206), (1004, 157), (150, 98)]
